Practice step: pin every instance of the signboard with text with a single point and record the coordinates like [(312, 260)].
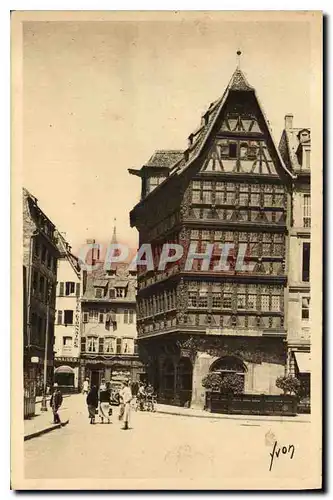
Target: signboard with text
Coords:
[(233, 333)]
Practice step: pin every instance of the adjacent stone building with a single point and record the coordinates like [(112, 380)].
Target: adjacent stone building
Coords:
[(40, 256), (295, 147), (229, 186), (108, 324), (68, 318)]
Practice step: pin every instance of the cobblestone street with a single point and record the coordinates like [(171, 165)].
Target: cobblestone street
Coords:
[(165, 446)]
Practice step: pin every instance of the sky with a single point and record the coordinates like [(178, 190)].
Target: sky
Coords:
[(100, 97)]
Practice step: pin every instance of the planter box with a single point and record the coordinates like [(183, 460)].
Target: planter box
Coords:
[(304, 406), (251, 404)]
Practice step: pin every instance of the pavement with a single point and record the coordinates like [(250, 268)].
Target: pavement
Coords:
[(191, 412), (42, 421), (162, 447)]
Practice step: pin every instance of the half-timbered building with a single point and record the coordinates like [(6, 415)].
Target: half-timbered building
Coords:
[(229, 186), (108, 323)]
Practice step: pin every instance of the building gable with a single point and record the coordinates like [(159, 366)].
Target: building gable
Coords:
[(241, 141)]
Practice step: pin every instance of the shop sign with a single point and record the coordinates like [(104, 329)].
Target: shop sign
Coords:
[(233, 333), (77, 323)]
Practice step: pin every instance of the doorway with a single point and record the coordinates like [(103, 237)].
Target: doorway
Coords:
[(95, 378), (184, 381)]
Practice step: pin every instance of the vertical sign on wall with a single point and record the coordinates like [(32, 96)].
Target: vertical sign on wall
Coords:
[(77, 322)]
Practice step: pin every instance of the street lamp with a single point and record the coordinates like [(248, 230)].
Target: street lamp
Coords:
[(48, 298)]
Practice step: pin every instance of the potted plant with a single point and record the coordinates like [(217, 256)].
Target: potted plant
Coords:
[(232, 384), (212, 382), (288, 384)]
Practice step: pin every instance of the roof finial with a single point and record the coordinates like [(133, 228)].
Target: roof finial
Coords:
[(239, 53)]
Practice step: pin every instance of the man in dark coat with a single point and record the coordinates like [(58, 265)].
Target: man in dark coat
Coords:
[(55, 403)]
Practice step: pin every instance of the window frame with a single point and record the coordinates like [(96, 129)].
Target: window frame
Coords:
[(67, 322)]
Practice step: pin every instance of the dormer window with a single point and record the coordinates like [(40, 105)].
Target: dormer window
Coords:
[(304, 136), (306, 159), (120, 293), (153, 182), (99, 293)]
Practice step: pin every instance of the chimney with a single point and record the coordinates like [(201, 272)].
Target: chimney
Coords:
[(288, 122)]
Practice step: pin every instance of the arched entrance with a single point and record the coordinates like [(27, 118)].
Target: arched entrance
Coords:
[(168, 375), (64, 376), (184, 381), (230, 365)]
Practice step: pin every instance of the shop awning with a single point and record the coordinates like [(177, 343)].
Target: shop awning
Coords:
[(64, 369), (303, 360)]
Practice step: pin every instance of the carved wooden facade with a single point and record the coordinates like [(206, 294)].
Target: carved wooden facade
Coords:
[(230, 186)]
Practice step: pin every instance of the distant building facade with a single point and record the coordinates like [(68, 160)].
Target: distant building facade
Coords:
[(108, 324), (295, 147), (230, 186), (68, 319), (40, 257)]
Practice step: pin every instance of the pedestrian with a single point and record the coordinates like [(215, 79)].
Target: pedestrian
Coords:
[(126, 398), (55, 403), (104, 402), (85, 389), (92, 403), (141, 396)]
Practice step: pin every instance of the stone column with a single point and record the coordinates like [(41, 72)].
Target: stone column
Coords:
[(201, 366)]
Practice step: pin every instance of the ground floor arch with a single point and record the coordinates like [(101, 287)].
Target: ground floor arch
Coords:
[(230, 366), (64, 376)]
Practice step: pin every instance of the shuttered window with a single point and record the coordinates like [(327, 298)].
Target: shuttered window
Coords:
[(118, 346), (59, 318)]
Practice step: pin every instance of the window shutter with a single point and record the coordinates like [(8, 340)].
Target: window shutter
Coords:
[(119, 346), (78, 289), (59, 320), (85, 317), (100, 344), (136, 347), (61, 289), (83, 344), (125, 315), (131, 315)]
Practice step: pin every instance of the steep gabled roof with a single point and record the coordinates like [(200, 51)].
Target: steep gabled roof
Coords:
[(237, 83), (199, 138), (64, 249), (164, 158)]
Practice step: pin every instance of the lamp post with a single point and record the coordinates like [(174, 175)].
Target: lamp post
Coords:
[(48, 297)]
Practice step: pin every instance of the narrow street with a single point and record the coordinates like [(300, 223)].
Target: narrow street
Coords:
[(163, 446)]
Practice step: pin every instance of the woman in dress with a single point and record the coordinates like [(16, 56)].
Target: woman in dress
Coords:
[(92, 402), (125, 398), (104, 402)]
